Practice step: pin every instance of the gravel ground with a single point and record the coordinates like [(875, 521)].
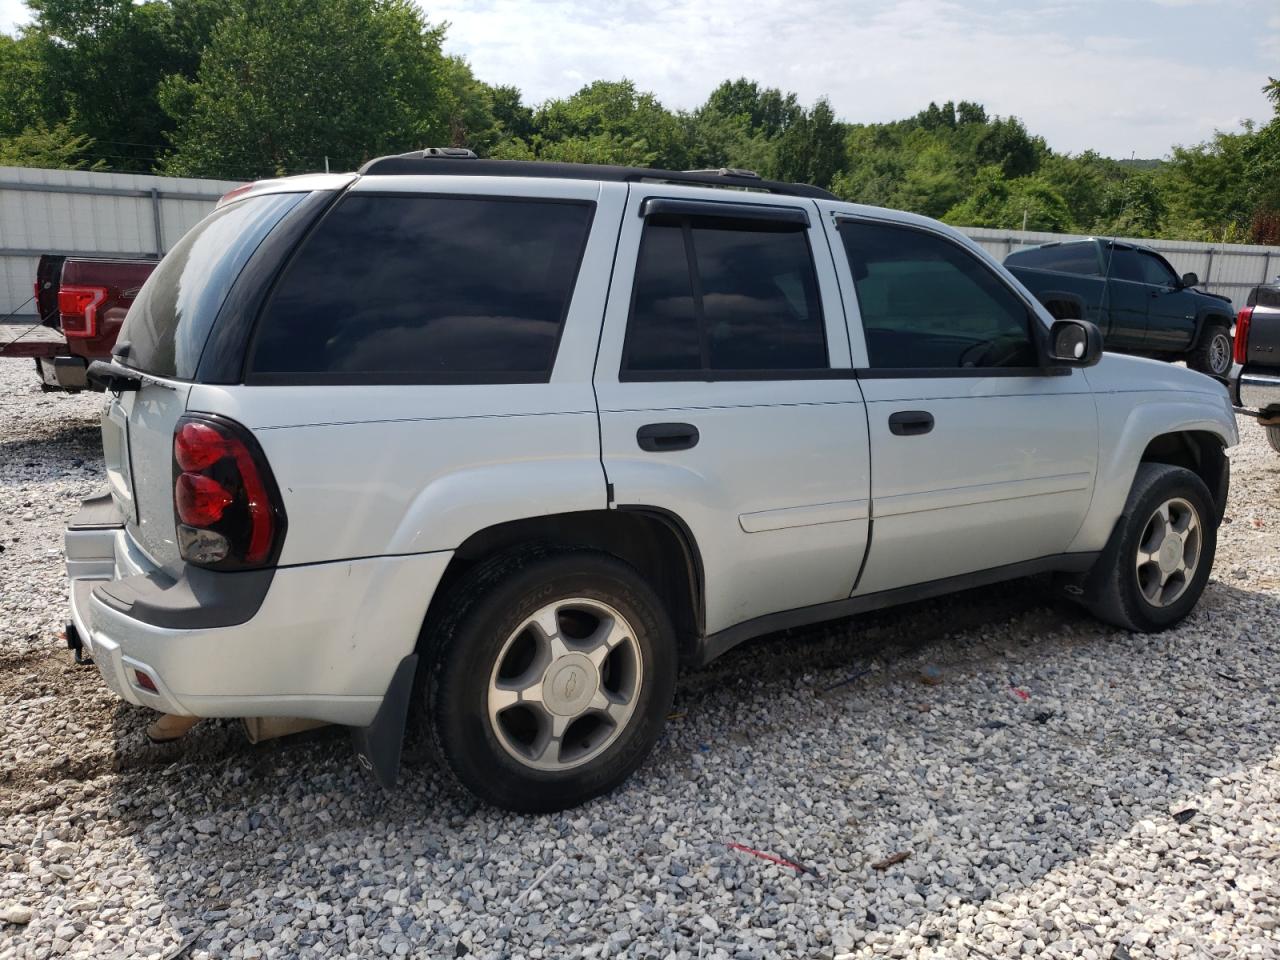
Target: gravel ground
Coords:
[(1048, 787)]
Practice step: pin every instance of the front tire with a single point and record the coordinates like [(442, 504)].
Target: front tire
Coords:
[(552, 677), (1153, 573), (1212, 355)]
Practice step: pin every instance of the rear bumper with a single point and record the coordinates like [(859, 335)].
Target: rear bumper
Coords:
[(1256, 391), (65, 373), (323, 643)]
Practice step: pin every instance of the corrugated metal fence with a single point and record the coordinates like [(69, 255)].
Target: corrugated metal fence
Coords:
[(75, 212), (81, 213), (1228, 269)]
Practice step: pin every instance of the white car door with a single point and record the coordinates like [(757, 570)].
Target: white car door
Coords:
[(983, 455), (727, 398)]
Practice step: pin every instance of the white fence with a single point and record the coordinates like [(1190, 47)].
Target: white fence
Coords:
[(75, 212), (80, 213), (1228, 269)]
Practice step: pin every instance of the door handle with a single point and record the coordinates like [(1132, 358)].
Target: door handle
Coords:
[(661, 437), (910, 423)]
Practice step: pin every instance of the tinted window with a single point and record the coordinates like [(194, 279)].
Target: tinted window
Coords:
[(1080, 258), (1265, 297), (426, 290), (168, 324), (928, 303), (749, 302), (663, 331), (1125, 265), (1155, 270)]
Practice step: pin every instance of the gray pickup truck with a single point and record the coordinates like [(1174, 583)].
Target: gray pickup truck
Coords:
[(1256, 385), (1135, 297)]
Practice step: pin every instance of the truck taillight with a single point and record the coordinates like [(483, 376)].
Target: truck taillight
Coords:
[(228, 508), (78, 309), (1242, 334)]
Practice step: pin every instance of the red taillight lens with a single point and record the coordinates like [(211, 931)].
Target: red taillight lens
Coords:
[(1242, 334), (201, 501), (198, 446), (228, 508), (78, 309)]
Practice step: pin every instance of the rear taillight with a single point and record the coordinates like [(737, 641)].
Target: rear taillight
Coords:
[(1242, 334), (228, 508), (78, 309)]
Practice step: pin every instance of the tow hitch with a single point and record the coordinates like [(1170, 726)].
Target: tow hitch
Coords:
[(76, 645)]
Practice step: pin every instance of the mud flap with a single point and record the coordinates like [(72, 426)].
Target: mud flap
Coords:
[(378, 745)]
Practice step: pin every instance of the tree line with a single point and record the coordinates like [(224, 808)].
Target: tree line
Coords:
[(241, 89)]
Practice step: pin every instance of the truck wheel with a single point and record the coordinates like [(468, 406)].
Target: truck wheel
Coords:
[(552, 678), (1212, 355), (1153, 572), (1273, 437)]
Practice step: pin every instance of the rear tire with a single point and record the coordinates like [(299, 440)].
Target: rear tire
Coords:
[(1212, 355), (1141, 584), (551, 678), (1273, 437)]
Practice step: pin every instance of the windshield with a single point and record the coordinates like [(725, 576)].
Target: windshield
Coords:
[(168, 324)]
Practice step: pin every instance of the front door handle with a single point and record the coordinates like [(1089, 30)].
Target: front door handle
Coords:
[(910, 423), (661, 437)]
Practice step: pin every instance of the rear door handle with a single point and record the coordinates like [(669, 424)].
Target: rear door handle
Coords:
[(910, 423), (661, 437)]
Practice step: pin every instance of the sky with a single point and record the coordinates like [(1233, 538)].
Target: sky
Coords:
[(1123, 77)]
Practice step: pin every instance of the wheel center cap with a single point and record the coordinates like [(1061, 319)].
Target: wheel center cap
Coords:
[(1170, 554), (569, 685)]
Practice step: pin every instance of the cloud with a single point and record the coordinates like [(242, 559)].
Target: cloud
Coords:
[(1075, 72)]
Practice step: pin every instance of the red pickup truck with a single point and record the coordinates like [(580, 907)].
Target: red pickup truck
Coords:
[(85, 300)]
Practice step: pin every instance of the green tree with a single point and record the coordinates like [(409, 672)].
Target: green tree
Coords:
[(608, 121), (57, 147), (24, 84), (104, 59), (1028, 202), (285, 83)]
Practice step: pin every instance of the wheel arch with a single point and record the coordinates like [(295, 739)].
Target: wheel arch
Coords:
[(657, 542), (1202, 452), (1183, 433), (1210, 317)]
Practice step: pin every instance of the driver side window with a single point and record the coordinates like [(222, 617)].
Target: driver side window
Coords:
[(1155, 272), (926, 303)]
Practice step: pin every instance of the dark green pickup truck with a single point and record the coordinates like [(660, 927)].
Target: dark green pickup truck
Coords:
[(1137, 300)]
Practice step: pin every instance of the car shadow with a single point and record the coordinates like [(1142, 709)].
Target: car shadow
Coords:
[(893, 732)]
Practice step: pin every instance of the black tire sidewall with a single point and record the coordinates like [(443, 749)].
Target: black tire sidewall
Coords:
[(1203, 359), (1273, 437), (1176, 483), (457, 694)]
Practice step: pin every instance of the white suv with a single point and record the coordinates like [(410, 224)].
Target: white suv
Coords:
[(498, 446)]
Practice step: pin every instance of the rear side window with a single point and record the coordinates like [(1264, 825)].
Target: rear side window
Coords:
[(168, 324), (1078, 258), (716, 295), (926, 303), (1125, 264), (425, 289)]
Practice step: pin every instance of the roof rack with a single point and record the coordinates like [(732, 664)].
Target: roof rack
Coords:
[(458, 162)]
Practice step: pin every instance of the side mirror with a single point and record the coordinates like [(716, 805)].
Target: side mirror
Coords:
[(1190, 280), (1075, 343)]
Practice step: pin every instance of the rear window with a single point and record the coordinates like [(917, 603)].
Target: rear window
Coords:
[(168, 324), (1079, 258), (423, 289), (1265, 297)]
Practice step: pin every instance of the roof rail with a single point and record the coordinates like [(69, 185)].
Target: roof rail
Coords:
[(450, 161)]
